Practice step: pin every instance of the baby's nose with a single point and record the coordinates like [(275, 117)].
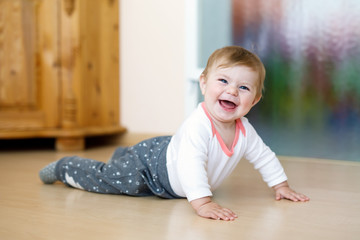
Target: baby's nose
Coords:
[(232, 90)]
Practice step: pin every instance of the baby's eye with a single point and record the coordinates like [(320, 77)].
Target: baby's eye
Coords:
[(244, 88), (223, 80)]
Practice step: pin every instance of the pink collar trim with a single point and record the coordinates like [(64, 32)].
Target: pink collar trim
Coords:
[(239, 127)]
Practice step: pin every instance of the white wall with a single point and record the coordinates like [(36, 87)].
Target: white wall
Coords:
[(152, 71)]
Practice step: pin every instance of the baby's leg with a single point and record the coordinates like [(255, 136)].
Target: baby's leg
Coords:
[(95, 176), (74, 171)]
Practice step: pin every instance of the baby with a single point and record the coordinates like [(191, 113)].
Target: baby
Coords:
[(203, 152)]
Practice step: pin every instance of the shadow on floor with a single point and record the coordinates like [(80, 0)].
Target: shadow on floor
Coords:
[(49, 143)]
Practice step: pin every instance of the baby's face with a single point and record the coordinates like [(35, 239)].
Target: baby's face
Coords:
[(229, 93)]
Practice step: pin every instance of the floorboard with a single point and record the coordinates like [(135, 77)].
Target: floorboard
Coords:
[(32, 210)]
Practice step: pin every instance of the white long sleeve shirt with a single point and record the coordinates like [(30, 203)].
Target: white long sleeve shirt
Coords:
[(198, 160)]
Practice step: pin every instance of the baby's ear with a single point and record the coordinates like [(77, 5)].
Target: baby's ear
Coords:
[(256, 100), (202, 81)]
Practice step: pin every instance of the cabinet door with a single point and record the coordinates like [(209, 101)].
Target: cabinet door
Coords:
[(29, 69)]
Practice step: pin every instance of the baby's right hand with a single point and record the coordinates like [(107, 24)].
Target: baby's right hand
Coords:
[(206, 208)]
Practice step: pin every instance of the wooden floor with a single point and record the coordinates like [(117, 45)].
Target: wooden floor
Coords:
[(32, 210)]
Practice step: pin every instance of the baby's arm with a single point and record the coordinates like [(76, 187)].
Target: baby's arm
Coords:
[(206, 208), (282, 190)]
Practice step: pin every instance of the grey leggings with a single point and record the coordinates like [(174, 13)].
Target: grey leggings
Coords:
[(139, 170)]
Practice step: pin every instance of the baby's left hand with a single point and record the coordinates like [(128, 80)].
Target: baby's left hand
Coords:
[(283, 190)]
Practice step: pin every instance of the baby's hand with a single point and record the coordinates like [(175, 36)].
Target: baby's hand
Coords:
[(206, 208), (283, 190), (215, 211)]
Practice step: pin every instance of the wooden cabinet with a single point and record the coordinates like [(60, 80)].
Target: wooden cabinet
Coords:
[(59, 70)]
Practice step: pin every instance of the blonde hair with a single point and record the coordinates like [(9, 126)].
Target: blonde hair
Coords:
[(237, 56)]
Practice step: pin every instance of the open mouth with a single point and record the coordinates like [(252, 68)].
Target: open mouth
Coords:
[(227, 105)]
